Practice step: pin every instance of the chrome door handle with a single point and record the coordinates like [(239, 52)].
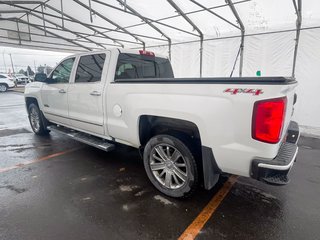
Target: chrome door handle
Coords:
[(95, 93), (62, 91)]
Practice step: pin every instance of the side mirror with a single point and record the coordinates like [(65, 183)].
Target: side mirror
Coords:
[(40, 77)]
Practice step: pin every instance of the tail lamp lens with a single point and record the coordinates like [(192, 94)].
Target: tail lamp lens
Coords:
[(268, 118)]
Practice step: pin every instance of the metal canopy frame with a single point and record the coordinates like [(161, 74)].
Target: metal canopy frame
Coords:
[(145, 19), (242, 28), (45, 30), (110, 21), (71, 19), (149, 23), (179, 11), (53, 23), (83, 24), (298, 9), (38, 35), (215, 14), (57, 29), (32, 12), (178, 15), (64, 28), (102, 31)]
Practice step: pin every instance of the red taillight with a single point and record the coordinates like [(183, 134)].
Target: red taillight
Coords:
[(267, 119), (146, 53)]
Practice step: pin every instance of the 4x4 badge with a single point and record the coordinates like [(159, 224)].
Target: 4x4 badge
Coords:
[(235, 91)]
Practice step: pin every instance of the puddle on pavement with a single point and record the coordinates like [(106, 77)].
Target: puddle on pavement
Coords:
[(9, 132)]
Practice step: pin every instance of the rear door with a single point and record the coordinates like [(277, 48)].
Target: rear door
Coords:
[(130, 68), (54, 92), (85, 94)]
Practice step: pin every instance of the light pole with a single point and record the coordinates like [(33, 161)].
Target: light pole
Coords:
[(12, 64), (13, 70), (4, 62)]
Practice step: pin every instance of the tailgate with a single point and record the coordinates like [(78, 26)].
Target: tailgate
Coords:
[(291, 100)]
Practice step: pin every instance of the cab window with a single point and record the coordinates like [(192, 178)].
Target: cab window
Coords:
[(133, 66), (127, 69), (62, 72), (90, 68)]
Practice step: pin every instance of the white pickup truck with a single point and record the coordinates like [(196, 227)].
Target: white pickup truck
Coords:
[(189, 130)]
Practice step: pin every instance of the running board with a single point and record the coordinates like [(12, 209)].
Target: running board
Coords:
[(84, 138)]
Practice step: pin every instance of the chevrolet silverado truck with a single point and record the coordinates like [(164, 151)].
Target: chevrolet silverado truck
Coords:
[(189, 130)]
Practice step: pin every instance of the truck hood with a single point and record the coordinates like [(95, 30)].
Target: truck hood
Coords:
[(34, 85)]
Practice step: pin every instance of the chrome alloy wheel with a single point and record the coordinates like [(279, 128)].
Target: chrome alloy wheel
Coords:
[(168, 166), (35, 119)]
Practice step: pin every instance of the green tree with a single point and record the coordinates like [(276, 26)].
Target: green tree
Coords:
[(21, 71)]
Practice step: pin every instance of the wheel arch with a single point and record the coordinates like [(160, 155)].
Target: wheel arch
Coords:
[(150, 125), (44, 121), (188, 132), (29, 100)]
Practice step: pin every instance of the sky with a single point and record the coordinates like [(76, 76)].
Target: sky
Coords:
[(22, 58)]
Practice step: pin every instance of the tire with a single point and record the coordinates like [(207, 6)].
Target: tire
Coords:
[(37, 121), (3, 87), (170, 166)]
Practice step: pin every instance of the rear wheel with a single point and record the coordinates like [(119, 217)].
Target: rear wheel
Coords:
[(37, 121), (170, 166), (3, 87)]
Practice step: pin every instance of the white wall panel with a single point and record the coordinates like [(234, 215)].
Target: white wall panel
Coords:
[(186, 60), (307, 73), (272, 54), (219, 57)]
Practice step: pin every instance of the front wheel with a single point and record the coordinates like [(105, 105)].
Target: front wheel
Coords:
[(3, 87), (37, 121), (170, 166)]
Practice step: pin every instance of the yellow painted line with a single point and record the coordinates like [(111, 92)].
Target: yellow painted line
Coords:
[(19, 165), (195, 227)]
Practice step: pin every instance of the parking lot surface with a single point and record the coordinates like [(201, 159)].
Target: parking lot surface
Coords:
[(56, 188)]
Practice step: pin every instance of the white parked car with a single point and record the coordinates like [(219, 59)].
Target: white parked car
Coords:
[(189, 130), (6, 82), (21, 78)]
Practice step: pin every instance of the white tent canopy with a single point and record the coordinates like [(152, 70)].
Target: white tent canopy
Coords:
[(202, 37)]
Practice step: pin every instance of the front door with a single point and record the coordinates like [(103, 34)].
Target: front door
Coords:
[(85, 95), (54, 92)]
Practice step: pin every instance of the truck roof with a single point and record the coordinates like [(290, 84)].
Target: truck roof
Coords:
[(121, 50)]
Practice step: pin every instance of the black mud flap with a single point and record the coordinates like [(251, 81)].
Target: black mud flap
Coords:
[(211, 171)]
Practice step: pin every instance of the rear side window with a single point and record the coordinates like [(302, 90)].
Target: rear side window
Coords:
[(133, 66), (1, 76), (90, 68)]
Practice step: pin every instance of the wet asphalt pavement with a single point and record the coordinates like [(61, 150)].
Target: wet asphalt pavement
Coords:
[(91, 194)]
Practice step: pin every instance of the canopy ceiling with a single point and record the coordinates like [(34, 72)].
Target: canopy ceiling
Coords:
[(78, 25), (84, 25)]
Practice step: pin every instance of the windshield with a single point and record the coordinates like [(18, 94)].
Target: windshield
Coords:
[(133, 66)]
